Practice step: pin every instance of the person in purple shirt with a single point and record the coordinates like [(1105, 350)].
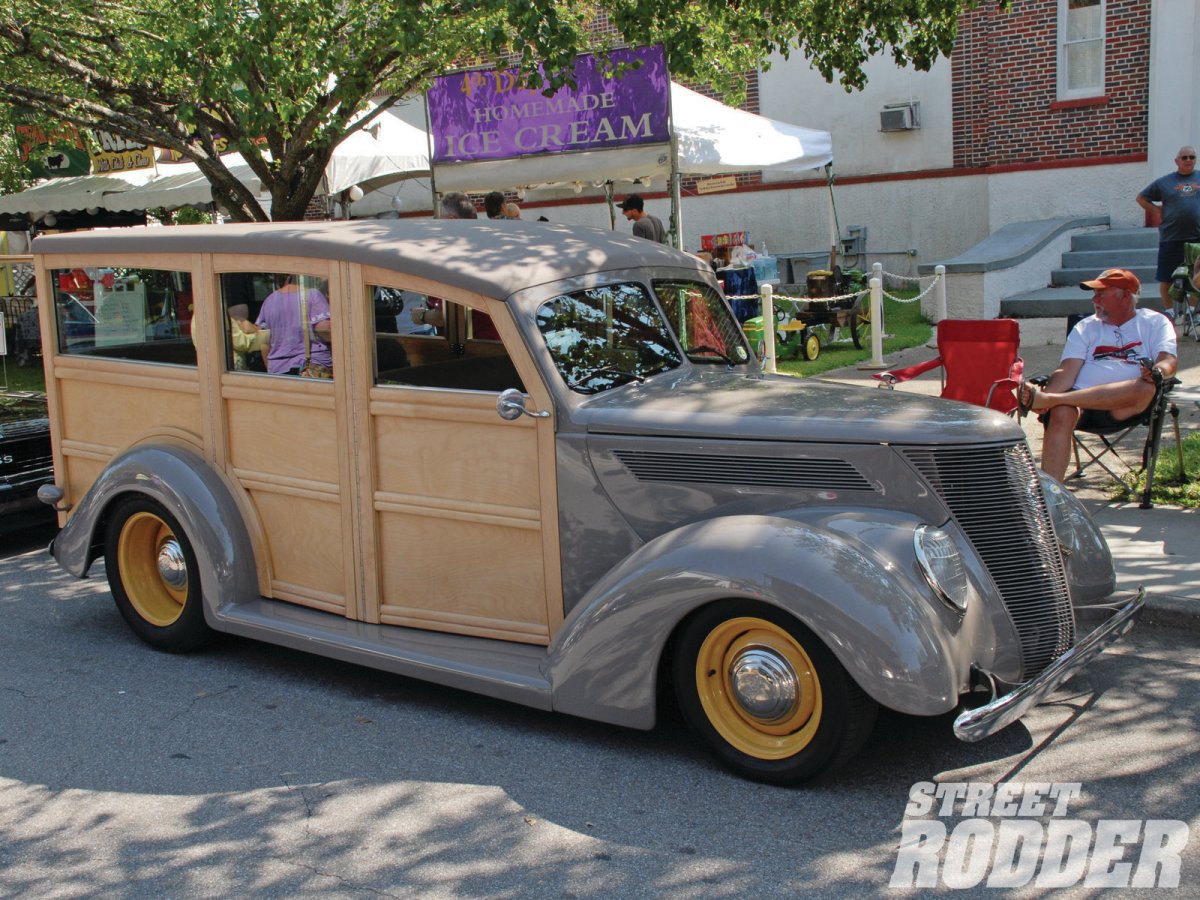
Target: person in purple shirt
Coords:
[(280, 315)]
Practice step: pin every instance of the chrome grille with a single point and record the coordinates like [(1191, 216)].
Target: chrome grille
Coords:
[(994, 493), (752, 471)]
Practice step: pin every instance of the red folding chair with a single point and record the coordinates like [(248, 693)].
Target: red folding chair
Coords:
[(979, 363)]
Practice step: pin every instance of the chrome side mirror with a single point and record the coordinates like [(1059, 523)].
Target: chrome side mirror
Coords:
[(511, 405)]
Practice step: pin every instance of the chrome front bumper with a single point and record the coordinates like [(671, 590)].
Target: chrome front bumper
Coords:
[(976, 724)]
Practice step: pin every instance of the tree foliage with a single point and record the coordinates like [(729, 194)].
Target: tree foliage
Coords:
[(284, 81)]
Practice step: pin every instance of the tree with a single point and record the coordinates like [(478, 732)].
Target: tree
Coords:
[(284, 81)]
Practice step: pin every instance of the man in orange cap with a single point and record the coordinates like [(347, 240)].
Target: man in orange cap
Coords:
[(1100, 379)]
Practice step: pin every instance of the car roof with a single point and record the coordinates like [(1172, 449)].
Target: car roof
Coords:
[(495, 259)]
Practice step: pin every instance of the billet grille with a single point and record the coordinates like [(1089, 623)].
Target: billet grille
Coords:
[(994, 494), (747, 471)]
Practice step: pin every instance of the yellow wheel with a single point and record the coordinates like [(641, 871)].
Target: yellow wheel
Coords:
[(766, 695), (154, 577), (812, 345), (860, 323)]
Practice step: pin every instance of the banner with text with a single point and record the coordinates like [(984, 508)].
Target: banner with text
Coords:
[(489, 114)]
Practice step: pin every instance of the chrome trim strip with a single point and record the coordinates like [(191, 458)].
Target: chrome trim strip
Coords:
[(976, 724)]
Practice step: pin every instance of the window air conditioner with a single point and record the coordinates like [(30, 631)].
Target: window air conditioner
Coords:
[(900, 117)]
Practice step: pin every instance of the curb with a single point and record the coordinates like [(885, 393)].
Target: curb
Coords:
[(1168, 611)]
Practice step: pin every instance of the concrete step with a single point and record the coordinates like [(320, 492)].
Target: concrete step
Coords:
[(1124, 257), (1048, 302), (1062, 277), (1117, 238)]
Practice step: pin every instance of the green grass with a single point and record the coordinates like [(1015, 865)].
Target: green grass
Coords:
[(21, 378), (904, 326), (1168, 489)]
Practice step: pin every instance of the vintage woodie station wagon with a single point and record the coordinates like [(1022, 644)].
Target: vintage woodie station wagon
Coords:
[(548, 468)]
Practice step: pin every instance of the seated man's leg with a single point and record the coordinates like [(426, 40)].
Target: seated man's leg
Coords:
[(1056, 441), (1120, 399)]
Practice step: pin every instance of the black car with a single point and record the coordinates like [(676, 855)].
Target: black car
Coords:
[(25, 458)]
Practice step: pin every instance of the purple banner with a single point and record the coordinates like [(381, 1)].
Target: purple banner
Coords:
[(489, 115)]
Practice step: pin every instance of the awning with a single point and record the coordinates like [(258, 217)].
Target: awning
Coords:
[(176, 185), (67, 194), (388, 150)]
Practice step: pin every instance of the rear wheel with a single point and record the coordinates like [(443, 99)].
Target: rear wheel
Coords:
[(154, 576), (766, 696), (860, 323)]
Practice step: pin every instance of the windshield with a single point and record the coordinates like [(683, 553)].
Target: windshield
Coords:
[(606, 336), (702, 323)]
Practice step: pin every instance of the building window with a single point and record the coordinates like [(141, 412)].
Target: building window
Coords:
[(1080, 48)]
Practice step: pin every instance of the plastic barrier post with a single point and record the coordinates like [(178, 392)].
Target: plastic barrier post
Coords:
[(876, 326), (767, 292), (939, 292)]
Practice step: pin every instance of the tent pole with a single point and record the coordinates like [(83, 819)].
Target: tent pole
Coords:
[(612, 209), (835, 231), (433, 199), (676, 198)]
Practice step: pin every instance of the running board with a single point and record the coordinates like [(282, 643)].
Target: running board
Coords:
[(500, 669)]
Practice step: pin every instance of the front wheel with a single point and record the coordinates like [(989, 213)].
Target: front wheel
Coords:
[(812, 345), (766, 695), (154, 577)]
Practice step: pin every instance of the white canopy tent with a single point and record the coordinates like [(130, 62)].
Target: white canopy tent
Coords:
[(710, 138), (387, 150)]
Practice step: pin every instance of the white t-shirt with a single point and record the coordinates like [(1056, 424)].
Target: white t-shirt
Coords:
[(1111, 353)]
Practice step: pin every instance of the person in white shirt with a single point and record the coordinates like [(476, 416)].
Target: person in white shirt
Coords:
[(1101, 379)]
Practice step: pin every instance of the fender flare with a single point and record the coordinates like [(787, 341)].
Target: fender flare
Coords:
[(882, 622), (190, 490)]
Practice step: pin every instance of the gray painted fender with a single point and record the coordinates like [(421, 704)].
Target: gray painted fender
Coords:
[(190, 491), (866, 601)]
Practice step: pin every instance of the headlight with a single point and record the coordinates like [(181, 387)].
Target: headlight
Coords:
[(943, 566)]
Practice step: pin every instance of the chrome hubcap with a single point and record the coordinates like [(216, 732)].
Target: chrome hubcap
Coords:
[(172, 567), (764, 684)]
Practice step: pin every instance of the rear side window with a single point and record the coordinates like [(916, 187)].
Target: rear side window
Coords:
[(144, 315)]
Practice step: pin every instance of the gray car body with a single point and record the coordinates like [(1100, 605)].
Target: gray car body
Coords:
[(639, 556)]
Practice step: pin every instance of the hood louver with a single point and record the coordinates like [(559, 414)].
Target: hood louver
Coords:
[(749, 471)]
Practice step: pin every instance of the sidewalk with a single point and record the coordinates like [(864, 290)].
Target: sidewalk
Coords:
[(1157, 548)]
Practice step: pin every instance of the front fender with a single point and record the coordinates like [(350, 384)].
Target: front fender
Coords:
[(867, 602), (194, 494)]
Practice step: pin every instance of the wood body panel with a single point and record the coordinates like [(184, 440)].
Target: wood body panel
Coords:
[(413, 506)]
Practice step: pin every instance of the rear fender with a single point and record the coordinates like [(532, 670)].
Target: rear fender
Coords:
[(852, 578), (192, 492)]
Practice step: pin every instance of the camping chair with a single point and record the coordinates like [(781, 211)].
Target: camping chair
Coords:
[(979, 363), (1107, 441), (1185, 294), (1102, 445)]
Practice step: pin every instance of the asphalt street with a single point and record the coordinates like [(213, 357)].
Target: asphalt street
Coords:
[(248, 770)]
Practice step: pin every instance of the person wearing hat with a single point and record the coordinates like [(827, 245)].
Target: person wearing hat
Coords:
[(644, 225), (1101, 379)]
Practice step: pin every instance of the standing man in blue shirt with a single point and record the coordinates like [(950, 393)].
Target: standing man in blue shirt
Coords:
[(1179, 196)]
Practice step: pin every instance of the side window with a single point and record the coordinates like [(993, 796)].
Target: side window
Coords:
[(1080, 48), (701, 322), (428, 342), (277, 322), (136, 314)]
